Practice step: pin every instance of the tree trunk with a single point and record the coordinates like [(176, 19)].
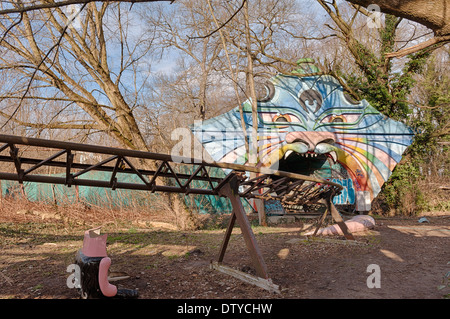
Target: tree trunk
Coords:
[(251, 93), (432, 14)]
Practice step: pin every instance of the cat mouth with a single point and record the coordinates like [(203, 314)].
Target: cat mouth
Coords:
[(312, 155), (297, 158)]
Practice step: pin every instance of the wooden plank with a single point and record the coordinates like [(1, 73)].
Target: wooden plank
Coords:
[(319, 240), (265, 283)]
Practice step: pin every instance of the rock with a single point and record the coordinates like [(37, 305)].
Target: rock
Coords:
[(23, 212), (282, 219), (196, 251), (283, 253), (45, 215), (140, 223), (423, 220), (163, 225)]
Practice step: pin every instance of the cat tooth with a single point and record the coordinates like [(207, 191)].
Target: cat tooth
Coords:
[(289, 152), (334, 156)]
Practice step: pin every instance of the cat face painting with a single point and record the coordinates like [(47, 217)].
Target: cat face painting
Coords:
[(310, 126)]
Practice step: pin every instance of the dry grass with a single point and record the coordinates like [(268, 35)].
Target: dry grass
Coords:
[(24, 211)]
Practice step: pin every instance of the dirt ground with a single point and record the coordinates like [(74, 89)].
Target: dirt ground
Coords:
[(163, 263)]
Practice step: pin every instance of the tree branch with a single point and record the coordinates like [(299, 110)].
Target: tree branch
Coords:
[(56, 125), (66, 3), (415, 48), (224, 24)]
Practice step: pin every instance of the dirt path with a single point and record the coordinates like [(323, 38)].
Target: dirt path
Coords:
[(412, 258)]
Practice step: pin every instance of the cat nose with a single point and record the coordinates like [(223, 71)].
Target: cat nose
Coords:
[(311, 139)]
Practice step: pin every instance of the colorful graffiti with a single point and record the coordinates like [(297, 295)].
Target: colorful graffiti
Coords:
[(310, 125), (347, 196)]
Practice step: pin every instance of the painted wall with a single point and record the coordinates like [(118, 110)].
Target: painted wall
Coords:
[(309, 125)]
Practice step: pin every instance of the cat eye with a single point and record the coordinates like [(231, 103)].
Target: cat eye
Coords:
[(282, 118), (341, 120), (337, 119)]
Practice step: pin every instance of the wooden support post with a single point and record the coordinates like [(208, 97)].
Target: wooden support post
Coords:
[(261, 212), (226, 238), (322, 219), (230, 190), (338, 219)]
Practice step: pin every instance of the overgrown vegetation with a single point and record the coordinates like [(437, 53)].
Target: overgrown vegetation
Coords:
[(419, 96)]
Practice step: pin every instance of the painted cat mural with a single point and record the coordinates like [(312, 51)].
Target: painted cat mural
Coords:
[(309, 125)]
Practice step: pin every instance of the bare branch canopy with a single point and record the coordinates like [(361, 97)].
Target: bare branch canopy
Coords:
[(432, 14), (64, 3)]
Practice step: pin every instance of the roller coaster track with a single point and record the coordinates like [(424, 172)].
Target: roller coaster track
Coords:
[(164, 173)]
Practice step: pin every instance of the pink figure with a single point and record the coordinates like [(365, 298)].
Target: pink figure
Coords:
[(95, 263), (94, 245)]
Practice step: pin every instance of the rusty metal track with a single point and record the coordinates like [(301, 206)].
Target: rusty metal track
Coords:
[(269, 184), (162, 173)]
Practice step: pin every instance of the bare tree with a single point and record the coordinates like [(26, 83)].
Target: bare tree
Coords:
[(55, 59), (181, 29)]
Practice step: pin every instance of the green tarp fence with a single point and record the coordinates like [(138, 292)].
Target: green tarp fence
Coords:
[(118, 198), (209, 204)]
